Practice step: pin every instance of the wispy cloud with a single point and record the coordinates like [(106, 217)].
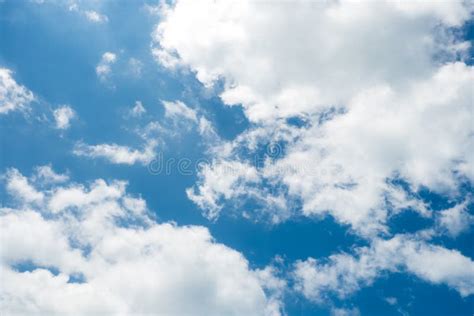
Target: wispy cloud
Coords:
[(344, 274), (117, 154), (90, 15), (179, 111), (13, 96), (138, 109)]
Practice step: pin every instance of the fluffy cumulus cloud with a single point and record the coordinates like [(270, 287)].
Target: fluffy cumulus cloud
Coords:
[(63, 116), (223, 180), (104, 67), (88, 245), (301, 56), (13, 96), (346, 164), (354, 108), (46, 174), (384, 136), (19, 187), (343, 90), (456, 219), (343, 274)]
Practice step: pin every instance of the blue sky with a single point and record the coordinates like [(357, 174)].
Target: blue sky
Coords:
[(379, 222)]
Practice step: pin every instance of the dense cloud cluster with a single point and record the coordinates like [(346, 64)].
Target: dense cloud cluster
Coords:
[(365, 98), (367, 103), (95, 249)]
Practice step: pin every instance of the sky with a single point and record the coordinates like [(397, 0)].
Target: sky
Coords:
[(236, 157)]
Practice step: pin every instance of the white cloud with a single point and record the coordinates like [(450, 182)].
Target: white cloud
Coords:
[(315, 54), (13, 97), (95, 16), (152, 134), (275, 288), (123, 261), (361, 75), (360, 79), (345, 312), (224, 180), (19, 186), (456, 219), (77, 6), (385, 135), (78, 196), (90, 15), (63, 116), (103, 69), (117, 154), (138, 109), (178, 110), (46, 174), (206, 129), (231, 181), (181, 115), (343, 274)]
